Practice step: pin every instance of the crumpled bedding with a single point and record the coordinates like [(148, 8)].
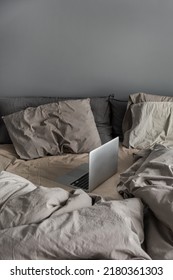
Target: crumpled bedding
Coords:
[(150, 179), (45, 171), (52, 223)]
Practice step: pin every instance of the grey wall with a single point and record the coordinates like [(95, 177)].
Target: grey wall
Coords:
[(86, 47)]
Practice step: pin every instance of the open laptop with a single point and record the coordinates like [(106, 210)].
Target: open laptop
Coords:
[(102, 164)]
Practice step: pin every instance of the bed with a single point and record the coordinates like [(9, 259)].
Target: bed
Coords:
[(124, 218)]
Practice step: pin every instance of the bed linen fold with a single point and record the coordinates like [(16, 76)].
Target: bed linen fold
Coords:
[(150, 178), (52, 223)]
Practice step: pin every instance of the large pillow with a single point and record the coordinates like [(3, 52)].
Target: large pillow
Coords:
[(64, 127), (134, 99), (100, 107), (152, 122)]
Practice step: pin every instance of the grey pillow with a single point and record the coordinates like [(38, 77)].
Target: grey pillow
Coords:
[(64, 127), (102, 114), (118, 109)]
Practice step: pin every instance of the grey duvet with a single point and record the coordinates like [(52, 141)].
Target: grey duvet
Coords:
[(51, 223), (150, 179)]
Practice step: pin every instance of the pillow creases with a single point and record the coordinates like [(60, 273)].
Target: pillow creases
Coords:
[(51, 129), (100, 107), (135, 98), (152, 122)]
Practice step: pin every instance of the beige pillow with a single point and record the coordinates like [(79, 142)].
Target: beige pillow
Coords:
[(136, 98), (64, 127), (152, 124), (146, 97)]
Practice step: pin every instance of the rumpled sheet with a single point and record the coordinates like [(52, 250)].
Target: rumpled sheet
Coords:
[(52, 223), (45, 171), (150, 179)]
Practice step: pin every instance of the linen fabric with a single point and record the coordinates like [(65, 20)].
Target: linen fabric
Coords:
[(64, 127), (152, 123)]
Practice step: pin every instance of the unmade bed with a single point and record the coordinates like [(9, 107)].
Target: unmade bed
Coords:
[(45, 171), (126, 217)]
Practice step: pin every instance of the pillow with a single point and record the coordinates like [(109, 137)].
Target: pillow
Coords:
[(102, 114), (118, 109), (152, 122), (146, 97), (64, 127), (134, 99), (100, 107)]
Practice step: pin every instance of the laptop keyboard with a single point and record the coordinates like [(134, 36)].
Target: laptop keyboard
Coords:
[(82, 182)]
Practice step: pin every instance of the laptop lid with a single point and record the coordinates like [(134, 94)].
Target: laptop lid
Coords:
[(103, 163)]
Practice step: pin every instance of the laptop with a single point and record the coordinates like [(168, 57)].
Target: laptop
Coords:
[(102, 164)]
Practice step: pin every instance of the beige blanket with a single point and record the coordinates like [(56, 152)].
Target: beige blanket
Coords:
[(51, 223), (45, 171), (151, 179)]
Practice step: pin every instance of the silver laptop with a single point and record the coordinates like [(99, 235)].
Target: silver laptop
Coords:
[(102, 164)]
